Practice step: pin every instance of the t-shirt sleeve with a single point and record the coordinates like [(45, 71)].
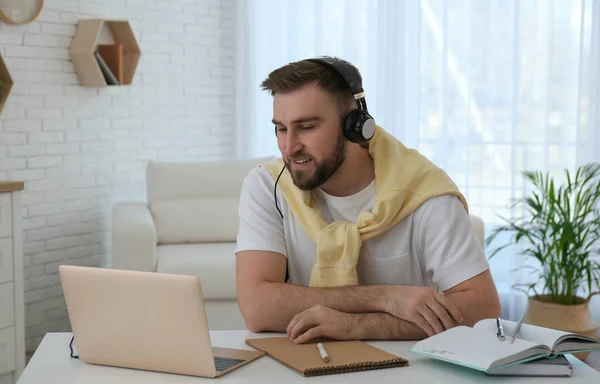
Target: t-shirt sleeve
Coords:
[(260, 224), (448, 247)]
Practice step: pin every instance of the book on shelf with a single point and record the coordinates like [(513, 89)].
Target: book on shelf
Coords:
[(108, 74), (479, 347), (113, 57)]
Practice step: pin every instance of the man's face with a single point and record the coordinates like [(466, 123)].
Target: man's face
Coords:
[(309, 135)]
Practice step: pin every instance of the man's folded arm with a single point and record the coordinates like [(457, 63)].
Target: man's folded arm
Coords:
[(476, 299), (472, 297), (268, 303)]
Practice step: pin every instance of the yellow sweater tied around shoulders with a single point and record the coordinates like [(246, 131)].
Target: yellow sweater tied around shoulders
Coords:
[(404, 179)]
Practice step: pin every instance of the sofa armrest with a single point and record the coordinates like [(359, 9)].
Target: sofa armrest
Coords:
[(133, 237)]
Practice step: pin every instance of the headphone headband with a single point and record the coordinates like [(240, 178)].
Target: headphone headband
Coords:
[(344, 69)]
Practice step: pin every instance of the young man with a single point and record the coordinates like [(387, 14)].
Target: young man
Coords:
[(351, 235)]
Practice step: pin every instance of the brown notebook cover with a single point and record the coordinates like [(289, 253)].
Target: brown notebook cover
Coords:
[(344, 356), (113, 56)]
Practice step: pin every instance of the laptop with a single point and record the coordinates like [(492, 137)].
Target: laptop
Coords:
[(144, 320)]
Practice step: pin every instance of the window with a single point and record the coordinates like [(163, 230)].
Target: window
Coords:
[(485, 89)]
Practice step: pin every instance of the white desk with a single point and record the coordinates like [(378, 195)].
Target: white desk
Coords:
[(51, 363)]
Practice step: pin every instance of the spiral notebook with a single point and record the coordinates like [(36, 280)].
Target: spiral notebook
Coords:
[(344, 356)]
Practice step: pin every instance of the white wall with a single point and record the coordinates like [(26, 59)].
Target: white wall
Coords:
[(79, 150)]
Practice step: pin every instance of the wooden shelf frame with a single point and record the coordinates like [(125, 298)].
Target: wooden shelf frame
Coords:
[(84, 44), (7, 83)]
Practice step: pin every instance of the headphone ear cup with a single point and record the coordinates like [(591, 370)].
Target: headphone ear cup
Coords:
[(367, 126), (359, 126), (351, 130)]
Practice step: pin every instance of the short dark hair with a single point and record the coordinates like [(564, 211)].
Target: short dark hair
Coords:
[(297, 74)]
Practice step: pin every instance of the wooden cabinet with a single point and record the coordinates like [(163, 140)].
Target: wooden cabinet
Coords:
[(12, 321)]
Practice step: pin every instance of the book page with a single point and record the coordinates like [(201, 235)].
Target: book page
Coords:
[(477, 348), (533, 333), (574, 342)]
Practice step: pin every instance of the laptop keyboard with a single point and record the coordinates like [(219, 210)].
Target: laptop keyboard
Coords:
[(223, 363)]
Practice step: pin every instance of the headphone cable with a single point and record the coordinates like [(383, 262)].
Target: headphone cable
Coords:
[(275, 191), (287, 272), (71, 348)]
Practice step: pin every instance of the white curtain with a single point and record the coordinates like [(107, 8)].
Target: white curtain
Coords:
[(485, 89)]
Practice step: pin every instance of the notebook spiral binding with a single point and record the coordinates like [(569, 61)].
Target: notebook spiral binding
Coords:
[(367, 365)]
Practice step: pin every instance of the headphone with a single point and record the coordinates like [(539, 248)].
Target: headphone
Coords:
[(359, 125)]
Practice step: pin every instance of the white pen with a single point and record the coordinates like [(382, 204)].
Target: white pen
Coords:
[(323, 353)]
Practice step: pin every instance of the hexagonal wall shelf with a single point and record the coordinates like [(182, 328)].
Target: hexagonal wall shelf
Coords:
[(90, 36), (6, 83)]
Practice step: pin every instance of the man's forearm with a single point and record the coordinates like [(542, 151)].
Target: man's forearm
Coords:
[(271, 306), (383, 326), (475, 308)]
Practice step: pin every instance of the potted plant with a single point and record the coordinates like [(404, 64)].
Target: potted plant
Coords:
[(560, 230)]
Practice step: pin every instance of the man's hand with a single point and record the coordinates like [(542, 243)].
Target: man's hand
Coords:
[(429, 310), (320, 321)]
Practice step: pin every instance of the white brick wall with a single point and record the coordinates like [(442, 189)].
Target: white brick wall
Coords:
[(79, 150)]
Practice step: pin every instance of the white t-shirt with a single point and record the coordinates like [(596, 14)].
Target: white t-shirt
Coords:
[(435, 246)]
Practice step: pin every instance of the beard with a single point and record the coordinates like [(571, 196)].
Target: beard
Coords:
[(321, 171)]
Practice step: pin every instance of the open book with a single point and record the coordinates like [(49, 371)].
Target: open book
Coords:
[(479, 347)]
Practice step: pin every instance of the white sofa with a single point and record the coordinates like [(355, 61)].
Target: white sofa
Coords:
[(189, 226)]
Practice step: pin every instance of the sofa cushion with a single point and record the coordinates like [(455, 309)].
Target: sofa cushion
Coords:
[(167, 180), (195, 220), (213, 263)]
